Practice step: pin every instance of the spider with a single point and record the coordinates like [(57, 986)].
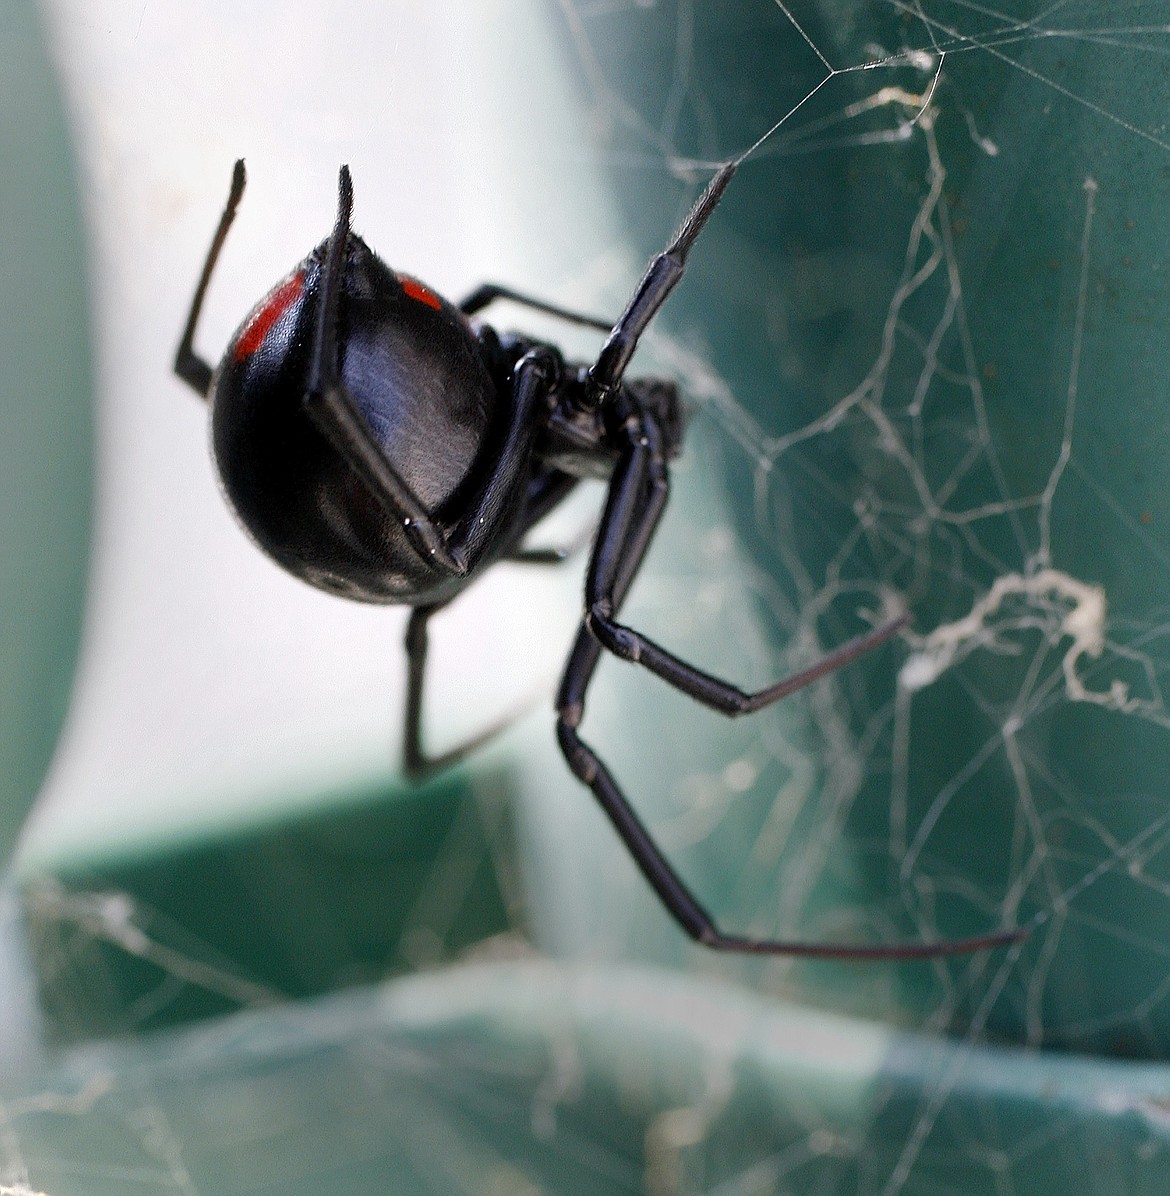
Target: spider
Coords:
[(380, 444)]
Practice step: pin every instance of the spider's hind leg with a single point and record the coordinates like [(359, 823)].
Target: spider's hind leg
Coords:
[(544, 493), (417, 764), (636, 500), (604, 593)]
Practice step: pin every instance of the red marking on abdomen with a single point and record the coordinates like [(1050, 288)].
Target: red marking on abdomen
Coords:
[(416, 290), (261, 323)]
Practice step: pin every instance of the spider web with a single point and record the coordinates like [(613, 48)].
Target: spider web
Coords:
[(920, 339), (952, 457)]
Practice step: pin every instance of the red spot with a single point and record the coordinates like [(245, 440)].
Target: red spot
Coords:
[(261, 323), (416, 290)]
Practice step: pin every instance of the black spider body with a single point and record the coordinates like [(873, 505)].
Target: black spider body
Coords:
[(433, 390), (379, 444), (417, 373)]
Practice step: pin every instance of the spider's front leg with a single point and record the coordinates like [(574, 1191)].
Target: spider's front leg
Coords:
[(636, 499)]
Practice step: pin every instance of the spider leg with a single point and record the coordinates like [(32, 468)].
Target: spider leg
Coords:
[(416, 762), (637, 497), (339, 419), (414, 759), (455, 550), (536, 373), (482, 296), (555, 554), (710, 691), (661, 277), (602, 599), (544, 493), (188, 364)]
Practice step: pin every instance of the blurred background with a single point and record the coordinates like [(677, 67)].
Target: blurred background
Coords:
[(923, 348)]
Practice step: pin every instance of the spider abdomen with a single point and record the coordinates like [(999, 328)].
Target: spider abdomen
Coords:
[(410, 362)]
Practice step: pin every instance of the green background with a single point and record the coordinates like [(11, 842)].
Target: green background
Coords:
[(627, 1060)]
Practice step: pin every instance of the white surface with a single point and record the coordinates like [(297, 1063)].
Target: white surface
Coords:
[(210, 681)]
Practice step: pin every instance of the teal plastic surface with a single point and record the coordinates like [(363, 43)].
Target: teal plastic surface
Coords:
[(925, 338), (535, 1077), (46, 419), (934, 311)]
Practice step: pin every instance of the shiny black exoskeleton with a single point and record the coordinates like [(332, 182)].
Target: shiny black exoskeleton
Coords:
[(423, 387), (379, 444)]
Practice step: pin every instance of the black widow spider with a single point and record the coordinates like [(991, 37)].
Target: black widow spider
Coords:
[(377, 443)]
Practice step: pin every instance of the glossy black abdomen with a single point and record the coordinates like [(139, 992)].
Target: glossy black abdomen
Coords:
[(411, 363)]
